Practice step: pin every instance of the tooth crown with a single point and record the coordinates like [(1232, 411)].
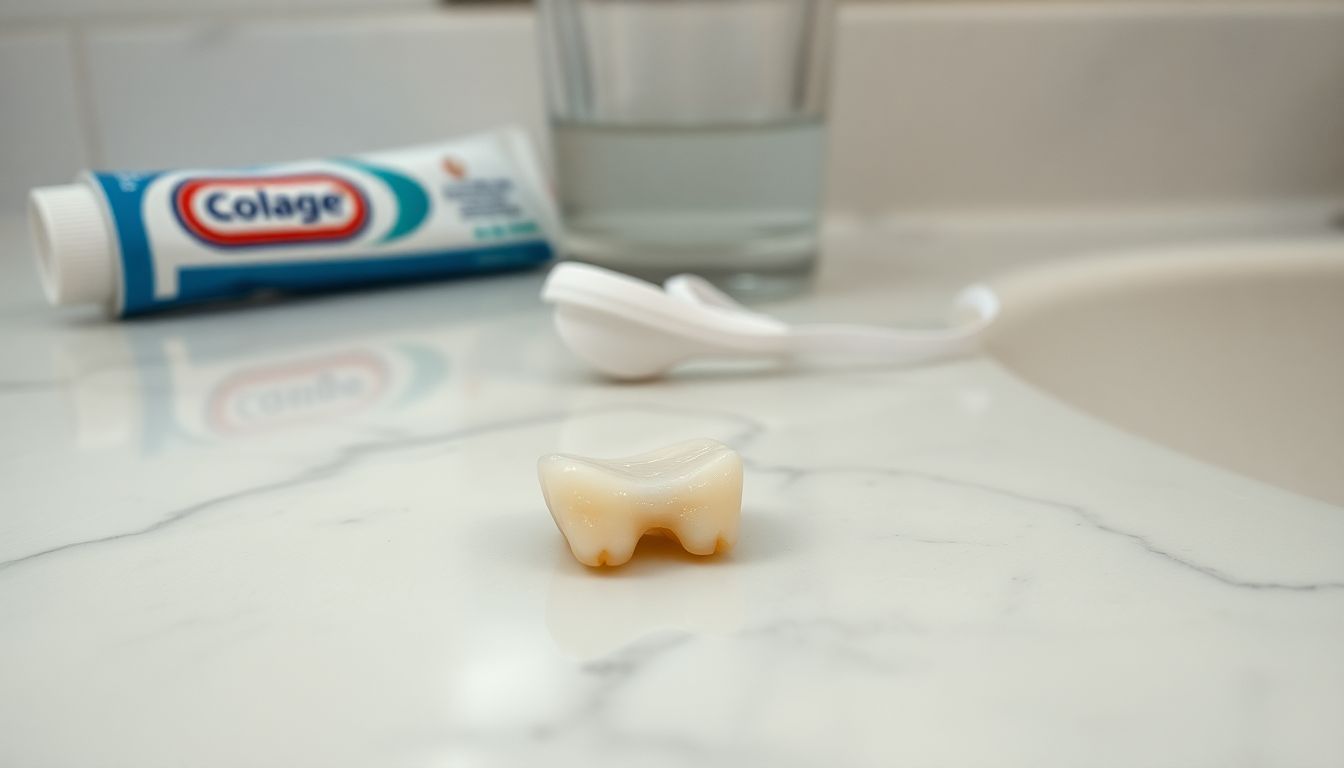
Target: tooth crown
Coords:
[(691, 491)]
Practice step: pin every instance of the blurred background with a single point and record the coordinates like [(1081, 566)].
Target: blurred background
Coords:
[(938, 106)]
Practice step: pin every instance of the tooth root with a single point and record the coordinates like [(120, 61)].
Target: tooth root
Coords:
[(691, 490)]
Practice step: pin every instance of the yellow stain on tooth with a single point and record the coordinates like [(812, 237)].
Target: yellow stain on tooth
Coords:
[(690, 491)]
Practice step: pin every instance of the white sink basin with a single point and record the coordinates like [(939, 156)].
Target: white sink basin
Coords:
[(1234, 355)]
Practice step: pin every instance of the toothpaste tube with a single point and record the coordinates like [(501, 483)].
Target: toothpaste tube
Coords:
[(145, 241)]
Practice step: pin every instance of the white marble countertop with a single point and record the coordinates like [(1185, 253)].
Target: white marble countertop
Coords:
[(310, 534)]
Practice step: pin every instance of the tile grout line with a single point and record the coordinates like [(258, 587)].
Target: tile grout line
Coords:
[(942, 9), (260, 14), (89, 129)]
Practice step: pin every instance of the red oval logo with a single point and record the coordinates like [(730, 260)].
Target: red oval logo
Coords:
[(240, 211)]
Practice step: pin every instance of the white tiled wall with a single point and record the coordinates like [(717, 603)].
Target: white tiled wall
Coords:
[(233, 92), (118, 10), (1075, 105), (41, 128), (937, 105)]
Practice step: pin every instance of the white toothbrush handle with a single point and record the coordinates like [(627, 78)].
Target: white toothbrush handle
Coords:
[(889, 345)]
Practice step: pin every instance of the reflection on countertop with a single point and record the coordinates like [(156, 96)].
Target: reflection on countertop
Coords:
[(164, 390)]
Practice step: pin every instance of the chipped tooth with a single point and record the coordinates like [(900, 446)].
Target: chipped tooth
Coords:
[(691, 491)]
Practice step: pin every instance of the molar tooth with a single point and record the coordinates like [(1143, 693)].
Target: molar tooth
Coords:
[(691, 490)]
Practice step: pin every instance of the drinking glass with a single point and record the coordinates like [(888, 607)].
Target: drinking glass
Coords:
[(689, 135)]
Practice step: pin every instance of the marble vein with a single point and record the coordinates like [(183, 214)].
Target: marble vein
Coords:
[(589, 718), (351, 455), (792, 473), (840, 637)]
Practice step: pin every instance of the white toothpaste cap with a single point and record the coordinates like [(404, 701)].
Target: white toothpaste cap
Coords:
[(74, 251)]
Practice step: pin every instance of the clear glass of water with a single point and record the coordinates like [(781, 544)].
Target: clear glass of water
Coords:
[(689, 135)]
